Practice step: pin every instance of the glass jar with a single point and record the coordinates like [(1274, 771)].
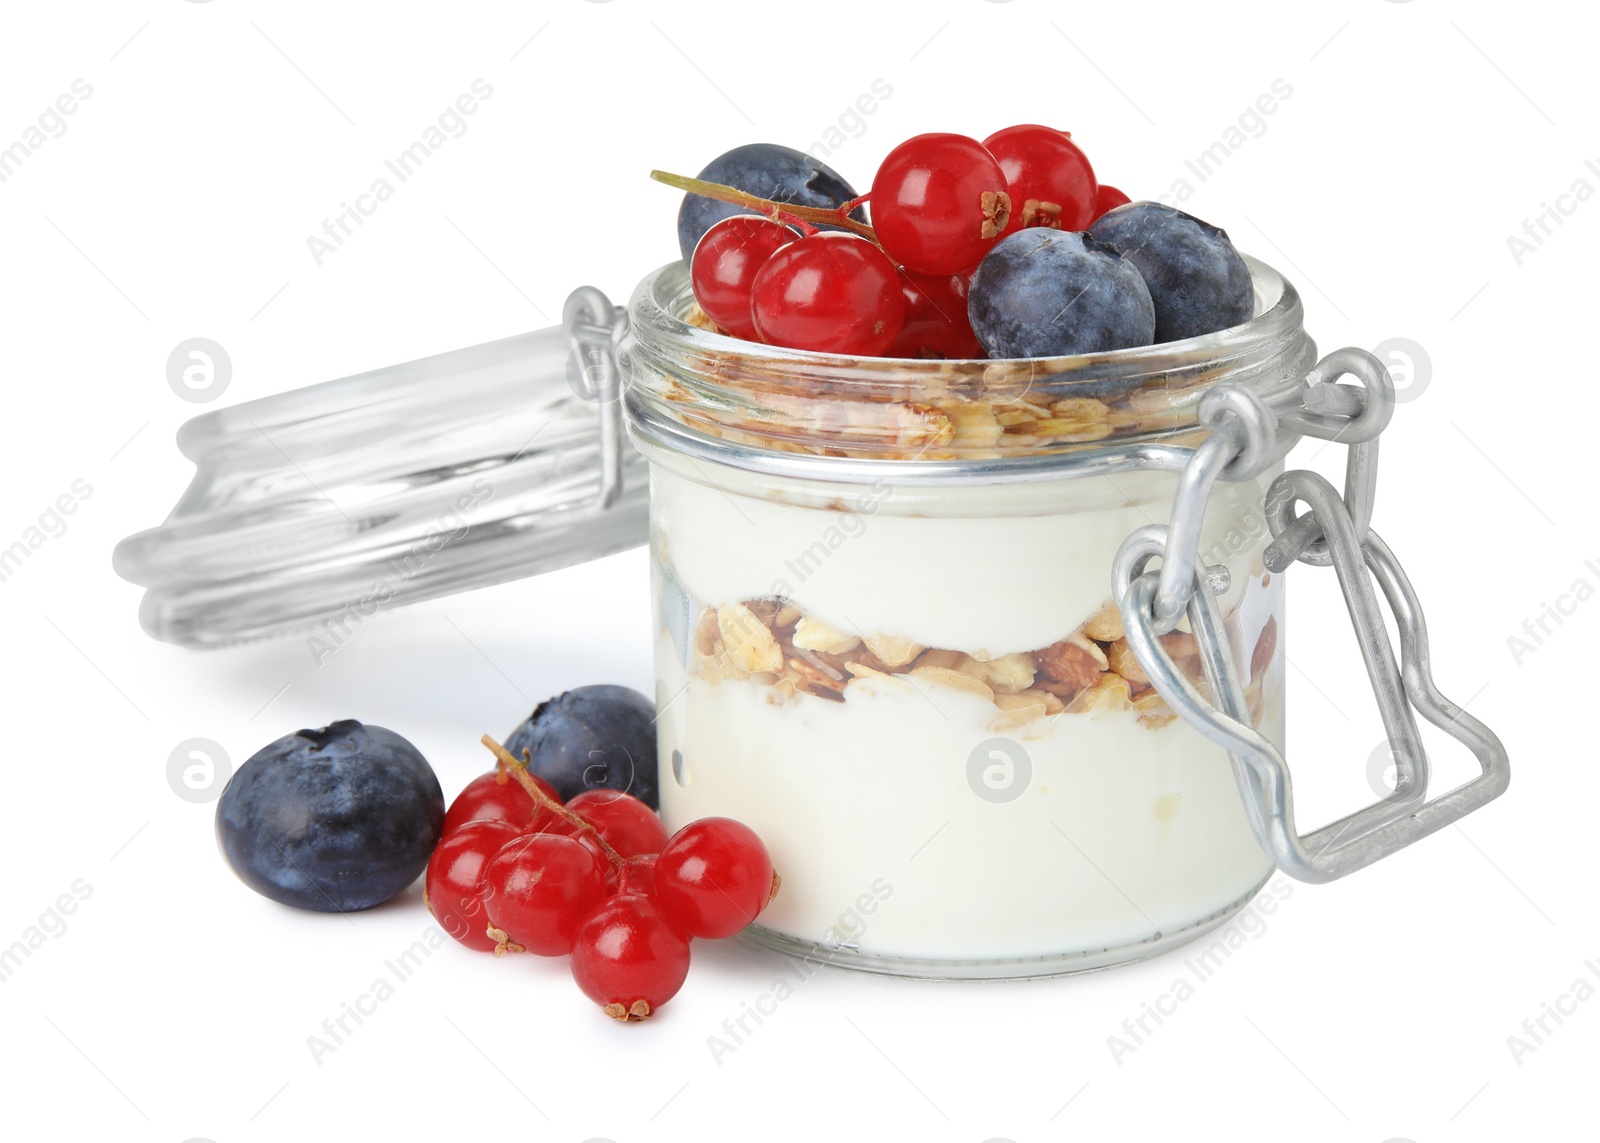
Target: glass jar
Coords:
[(886, 638)]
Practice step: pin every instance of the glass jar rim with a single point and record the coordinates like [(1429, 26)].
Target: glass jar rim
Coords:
[(694, 389)]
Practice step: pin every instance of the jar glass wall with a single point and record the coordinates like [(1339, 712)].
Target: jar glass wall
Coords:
[(885, 639)]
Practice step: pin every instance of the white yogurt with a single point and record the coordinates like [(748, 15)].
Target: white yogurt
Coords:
[(986, 570)]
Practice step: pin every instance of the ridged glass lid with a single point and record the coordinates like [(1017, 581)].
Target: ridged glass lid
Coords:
[(451, 472)]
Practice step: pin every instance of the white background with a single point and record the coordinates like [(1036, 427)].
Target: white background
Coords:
[(177, 204)]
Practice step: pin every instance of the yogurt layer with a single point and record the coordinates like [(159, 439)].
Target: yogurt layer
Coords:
[(985, 570), (903, 826)]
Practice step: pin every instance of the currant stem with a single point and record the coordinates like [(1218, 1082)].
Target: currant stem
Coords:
[(519, 771), (816, 215), (805, 228)]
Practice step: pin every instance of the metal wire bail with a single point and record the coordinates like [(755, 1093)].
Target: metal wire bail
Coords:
[(1334, 531), (594, 327)]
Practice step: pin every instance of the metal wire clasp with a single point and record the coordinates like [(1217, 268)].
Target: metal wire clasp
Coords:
[(1334, 531), (594, 327)]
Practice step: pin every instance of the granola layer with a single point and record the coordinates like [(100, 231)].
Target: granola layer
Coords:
[(774, 643)]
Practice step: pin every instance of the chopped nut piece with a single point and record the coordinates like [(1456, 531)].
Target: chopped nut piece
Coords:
[(1109, 694), (1181, 645), (1266, 647), (1085, 410), (1060, 690), (1153, 710), (892, 649), (955, 679), (974, 425), (750, 644), (1122, 661), (1071, 664), (1017, 710), (788, 615), (1008, 674), (1105, 625), (938, 658), (1052, 703), (815, 635), (815, 679), (816, 661), (1072, 430), (1020, 701), (1093, 649), (706, 633)]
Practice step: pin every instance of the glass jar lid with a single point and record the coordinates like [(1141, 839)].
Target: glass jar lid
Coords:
[(326, 504)]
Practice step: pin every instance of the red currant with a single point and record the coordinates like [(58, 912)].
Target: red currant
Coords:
[(495, 797), (453, 885), (1109, 198), (939, 202), (590, 841), (936, 323), (538, 889), (1051, 181), (830, 292), (627, 824), (626, 958), (713, 877), (724, 268)]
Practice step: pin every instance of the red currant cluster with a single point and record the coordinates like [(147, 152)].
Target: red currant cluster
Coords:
[(896, 288), (517, 871)]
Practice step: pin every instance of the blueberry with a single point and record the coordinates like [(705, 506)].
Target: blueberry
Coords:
[(781, 174), (1042, 292), (592, 738), (334, 820), (1197, 280)]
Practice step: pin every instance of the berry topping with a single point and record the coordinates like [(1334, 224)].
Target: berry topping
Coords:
[(454, 887), (1041, 293), (495, 797), (1049, 178), (627, 960), (332, 820), (724, 268), (939, 202), (713, 877), (592, 738), (627, 824), (1197, 280), (936, 323), (829, 292), (538, 889), (1108, 198), (768, 171)]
